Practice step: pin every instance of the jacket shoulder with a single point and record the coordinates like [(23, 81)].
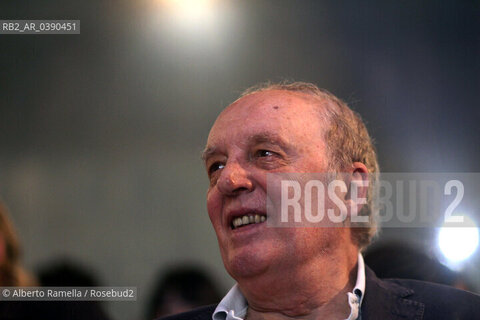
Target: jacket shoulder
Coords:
[(411, 299), (202, 313), (441, 300), (428, 290)]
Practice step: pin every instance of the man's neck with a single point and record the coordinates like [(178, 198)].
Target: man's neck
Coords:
[(315, 290)]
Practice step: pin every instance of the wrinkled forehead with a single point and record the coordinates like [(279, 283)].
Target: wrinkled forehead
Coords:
[(290, 114), (274, 102)]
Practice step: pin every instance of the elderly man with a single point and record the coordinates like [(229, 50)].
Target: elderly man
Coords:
[(302, 272)]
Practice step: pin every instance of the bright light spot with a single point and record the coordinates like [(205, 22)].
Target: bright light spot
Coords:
[(192, 12), (458, 243)]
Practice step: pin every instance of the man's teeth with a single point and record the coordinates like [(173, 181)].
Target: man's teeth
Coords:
[(248, 219)]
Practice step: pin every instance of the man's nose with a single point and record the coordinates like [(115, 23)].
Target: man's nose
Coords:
[(234, 179)]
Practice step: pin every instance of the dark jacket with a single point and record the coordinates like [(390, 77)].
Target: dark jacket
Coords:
[(396, 299)]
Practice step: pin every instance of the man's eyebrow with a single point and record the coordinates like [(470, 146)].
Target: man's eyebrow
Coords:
[(268, 137), (262, 137), (207, 152)]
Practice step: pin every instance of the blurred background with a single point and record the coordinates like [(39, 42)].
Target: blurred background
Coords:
[(101, 133)]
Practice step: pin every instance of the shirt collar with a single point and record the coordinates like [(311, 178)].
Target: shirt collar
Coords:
[(359, 288), (355, 298), (234, 305)]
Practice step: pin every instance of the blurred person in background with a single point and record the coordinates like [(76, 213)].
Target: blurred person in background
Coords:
[(180, 289), (65, 272), (11, 271), (68, 273), (12, 274)]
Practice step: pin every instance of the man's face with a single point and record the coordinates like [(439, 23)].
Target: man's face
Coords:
[(266, 132)]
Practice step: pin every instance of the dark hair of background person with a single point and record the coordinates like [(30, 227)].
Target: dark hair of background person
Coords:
[(65, 272), (397, 260), (60, 273), (180, 289)]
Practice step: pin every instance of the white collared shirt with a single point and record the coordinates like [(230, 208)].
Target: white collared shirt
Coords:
[(234, 306)]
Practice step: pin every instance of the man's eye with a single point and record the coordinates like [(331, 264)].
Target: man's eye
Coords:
[(216, 166), (264, 153)]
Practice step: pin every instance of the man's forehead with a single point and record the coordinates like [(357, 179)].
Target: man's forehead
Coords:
[(276, 116), (270, 107), (274, 99)]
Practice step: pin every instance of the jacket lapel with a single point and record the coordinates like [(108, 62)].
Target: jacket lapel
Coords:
[(387, 300)]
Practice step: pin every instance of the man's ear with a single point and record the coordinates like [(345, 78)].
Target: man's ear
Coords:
[(356, 196)]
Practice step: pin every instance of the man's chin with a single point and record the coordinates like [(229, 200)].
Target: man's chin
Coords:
[(246, 264)]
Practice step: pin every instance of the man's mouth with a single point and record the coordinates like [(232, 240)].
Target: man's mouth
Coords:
[(247, 219)]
